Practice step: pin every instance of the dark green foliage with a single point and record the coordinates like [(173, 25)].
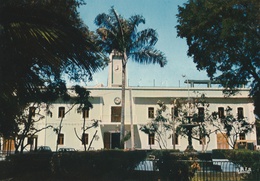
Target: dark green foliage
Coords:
[(245, 158), (91, 166), (6, 169), (243, 155), (158, 126), (231, 125), (29, 164), (239, 155), (117, 165), (117, 33), (223, 39), (175, 166), (100, 165), (40, 42), (219, 153), (205, 156)]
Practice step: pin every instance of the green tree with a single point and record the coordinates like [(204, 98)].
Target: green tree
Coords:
[(185, 113), (41, 41), (207, 122), (159, 126), (81, 101), (193, 119), (121, 35), (231, 126), (84, 105), (85, 127), (26, 127), (224, 39)]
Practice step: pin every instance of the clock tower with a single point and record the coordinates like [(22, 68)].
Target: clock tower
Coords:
[(115, 70)]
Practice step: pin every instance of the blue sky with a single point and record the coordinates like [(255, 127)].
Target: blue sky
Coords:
[(161, 16)]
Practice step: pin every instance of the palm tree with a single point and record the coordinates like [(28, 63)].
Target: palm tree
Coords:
[(121, 35)]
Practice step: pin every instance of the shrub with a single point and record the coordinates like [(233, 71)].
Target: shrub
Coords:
[(205, 156), (109, 164), (29, 165), (176, 166), (5, 171), (245, 158), (220, 153)]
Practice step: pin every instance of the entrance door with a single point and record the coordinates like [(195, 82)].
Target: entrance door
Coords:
[(115, 140), (222, 141), (111, 140), (8, 145), (107, 140)]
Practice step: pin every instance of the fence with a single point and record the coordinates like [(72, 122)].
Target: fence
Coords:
[(215, 170), (224, 170)]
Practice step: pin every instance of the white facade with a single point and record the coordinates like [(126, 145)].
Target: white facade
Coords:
[(104, 98), (106, 108)]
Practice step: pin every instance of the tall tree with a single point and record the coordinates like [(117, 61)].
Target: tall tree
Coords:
[(224, 39), (26, 127), (121, 35), (230, 126), (79, 99), (159, 126), (41, 41)]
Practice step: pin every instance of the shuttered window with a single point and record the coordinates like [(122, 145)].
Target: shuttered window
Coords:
[(115, 114), (61, 113), (150, 112)]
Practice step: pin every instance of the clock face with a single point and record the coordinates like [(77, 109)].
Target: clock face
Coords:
[(117, 68), (117, 100)]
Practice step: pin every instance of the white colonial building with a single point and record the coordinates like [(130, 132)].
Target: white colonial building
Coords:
[(141, 105)]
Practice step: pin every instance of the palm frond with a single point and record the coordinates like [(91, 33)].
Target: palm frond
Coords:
[(148, 55), (147, 37)]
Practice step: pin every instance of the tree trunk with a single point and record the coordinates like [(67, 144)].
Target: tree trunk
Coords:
[(122, 127), (83, 139), (92, 140)]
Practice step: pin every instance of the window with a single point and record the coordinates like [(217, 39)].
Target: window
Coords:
[(30, 140), (61, 112), (8, 144), (151, 139), (221, 112), (258, 134), (202, 140), (85, 113), (115, 114), (201, 111), (241, 145), (60, 139), (174, 111), (240, 113), (176, 139), (242, 136), (84, 139), (150, 112), (32, 111)]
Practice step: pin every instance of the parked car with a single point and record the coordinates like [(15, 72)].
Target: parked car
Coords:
[(44, 149), (227, 166), (66, 150)]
